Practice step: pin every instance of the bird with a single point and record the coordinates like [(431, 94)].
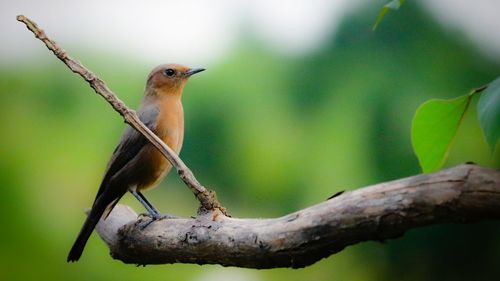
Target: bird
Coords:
[(136, 165)]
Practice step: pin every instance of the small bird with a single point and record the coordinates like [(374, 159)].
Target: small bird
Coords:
[(136, 165)]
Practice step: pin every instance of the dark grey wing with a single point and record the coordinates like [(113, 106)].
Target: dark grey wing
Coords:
[(130, 144)]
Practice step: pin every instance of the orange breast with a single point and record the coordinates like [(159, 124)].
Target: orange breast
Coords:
[(169, 128)]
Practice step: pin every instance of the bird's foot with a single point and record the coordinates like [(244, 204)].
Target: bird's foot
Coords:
[(157, 216), (153, 217)]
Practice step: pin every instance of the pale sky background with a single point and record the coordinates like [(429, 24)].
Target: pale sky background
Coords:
[(200, 32)]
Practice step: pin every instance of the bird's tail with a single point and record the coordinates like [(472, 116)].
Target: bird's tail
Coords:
[(76, 251), (99, 207)]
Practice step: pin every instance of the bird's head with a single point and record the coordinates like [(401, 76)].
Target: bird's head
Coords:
[(170, 78)]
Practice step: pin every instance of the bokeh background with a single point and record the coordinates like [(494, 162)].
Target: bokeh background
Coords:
[(300, 100)]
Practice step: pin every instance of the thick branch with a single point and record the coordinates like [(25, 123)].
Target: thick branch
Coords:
[(206, 197), (464, 194)]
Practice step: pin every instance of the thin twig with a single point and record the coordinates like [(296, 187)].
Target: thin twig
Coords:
[(206, 197)]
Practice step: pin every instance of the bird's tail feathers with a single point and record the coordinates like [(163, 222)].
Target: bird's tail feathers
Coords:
[(76, 251), (101, 206)]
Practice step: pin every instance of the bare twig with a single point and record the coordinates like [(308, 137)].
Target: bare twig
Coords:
[(464, 194), (206, 197)]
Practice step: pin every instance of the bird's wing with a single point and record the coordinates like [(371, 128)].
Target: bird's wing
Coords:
[(129, 146)]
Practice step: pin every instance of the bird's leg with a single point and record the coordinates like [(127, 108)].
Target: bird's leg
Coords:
[(153, 213)]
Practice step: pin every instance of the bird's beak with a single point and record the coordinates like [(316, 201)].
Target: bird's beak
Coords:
[(194, 71)]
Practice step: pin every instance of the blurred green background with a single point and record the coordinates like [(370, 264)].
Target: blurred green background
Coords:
[(271, 133)]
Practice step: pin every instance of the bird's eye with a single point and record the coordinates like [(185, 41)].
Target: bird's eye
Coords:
[(169, 72)]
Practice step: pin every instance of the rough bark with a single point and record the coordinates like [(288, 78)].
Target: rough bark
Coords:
[(464, 194)]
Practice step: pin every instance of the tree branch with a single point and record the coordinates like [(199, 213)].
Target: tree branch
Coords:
[(206, 197), (464, 194)]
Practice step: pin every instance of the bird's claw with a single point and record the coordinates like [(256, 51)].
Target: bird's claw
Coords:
[(152, 218), (157, 216)]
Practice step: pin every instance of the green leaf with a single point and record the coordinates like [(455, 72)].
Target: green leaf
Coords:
[(392, 5), (488, 109), (435, 125)]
